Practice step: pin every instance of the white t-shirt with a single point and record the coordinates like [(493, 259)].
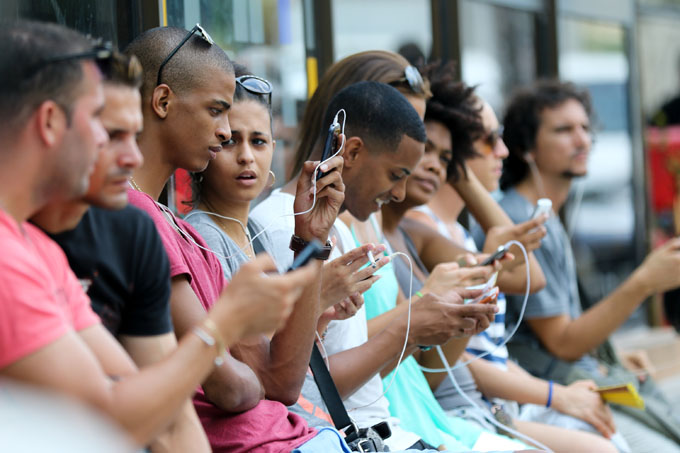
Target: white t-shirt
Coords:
[(341, 335)]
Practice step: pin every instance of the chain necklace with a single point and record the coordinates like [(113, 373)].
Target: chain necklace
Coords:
[(134, 185)]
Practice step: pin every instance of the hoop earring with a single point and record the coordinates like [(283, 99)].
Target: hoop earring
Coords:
[(273, 176)]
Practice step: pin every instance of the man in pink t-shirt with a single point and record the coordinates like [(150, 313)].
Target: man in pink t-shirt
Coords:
[(186, 123), (50, 135)]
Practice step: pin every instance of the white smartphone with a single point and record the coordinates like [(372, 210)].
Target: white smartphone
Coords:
[(543, 206)]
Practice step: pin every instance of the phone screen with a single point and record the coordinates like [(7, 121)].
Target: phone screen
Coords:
[(313, 249)]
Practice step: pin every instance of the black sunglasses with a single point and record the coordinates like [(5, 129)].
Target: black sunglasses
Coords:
[(413, 78), (256, 85), (197, 29), (101, 54)]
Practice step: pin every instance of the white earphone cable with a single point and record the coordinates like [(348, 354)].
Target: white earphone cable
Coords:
[(408, 331)]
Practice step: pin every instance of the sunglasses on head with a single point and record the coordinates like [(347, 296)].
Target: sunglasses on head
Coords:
[(102, 54), (197, 29), (256, 85), (413, 79)]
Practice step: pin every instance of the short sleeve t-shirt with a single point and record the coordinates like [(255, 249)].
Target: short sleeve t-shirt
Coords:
[(341, 335), (310, 404), (188, 253), (121, 263), (266, 428), (229, 254), (40, 298), (275, 213)]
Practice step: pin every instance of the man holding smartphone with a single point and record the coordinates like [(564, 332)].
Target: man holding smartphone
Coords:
[(51, 133), (548, 134), (385, 140)]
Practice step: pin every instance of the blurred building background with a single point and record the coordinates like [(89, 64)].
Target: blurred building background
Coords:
[(626, 52)]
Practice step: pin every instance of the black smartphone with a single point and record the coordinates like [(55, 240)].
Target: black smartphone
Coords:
[(500, 253), (311, 250), (330, 146)]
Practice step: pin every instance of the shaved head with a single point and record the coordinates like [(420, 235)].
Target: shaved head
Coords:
[(188, 68)]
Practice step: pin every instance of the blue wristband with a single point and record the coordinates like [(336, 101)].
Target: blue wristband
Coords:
[(550, 391)]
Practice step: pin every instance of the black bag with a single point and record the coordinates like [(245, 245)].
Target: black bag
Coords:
[(367, 439), (371, 439)]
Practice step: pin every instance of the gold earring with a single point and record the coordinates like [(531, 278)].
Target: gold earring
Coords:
[(273, 175)]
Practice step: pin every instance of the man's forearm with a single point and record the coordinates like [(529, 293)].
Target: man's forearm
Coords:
[(514, 281), (595, 325), (282, 362), (233, 387), (354, 367), (146, 403), (386, 319), (185, 434)]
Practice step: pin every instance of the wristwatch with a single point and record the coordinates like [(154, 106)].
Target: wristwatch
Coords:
[(297, 244)]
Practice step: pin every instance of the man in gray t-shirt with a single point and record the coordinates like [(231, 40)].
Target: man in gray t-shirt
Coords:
[(547, 132)]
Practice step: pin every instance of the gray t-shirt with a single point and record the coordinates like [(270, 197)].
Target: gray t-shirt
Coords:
[(310, 404), (229, 254), (560, 296)]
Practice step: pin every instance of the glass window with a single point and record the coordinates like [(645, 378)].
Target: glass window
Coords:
[(98, 19), (359, 25), (267, 36), (497, 56), (600, 213)]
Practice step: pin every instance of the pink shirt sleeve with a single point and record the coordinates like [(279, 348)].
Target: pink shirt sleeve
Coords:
[(40, 297), (168, 235)]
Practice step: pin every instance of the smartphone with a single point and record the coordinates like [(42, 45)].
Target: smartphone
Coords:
[(312, 250), (543, 206), (330, 146), (500, 253)]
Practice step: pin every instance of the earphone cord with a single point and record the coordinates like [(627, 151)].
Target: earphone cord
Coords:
[(323, 349), (485, 412), (408, 330)]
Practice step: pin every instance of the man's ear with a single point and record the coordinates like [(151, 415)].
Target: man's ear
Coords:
[(529, 157), (50, 122), (161, 98), (354, 148)]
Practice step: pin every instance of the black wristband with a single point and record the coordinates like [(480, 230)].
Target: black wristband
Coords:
[(297, 244)]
